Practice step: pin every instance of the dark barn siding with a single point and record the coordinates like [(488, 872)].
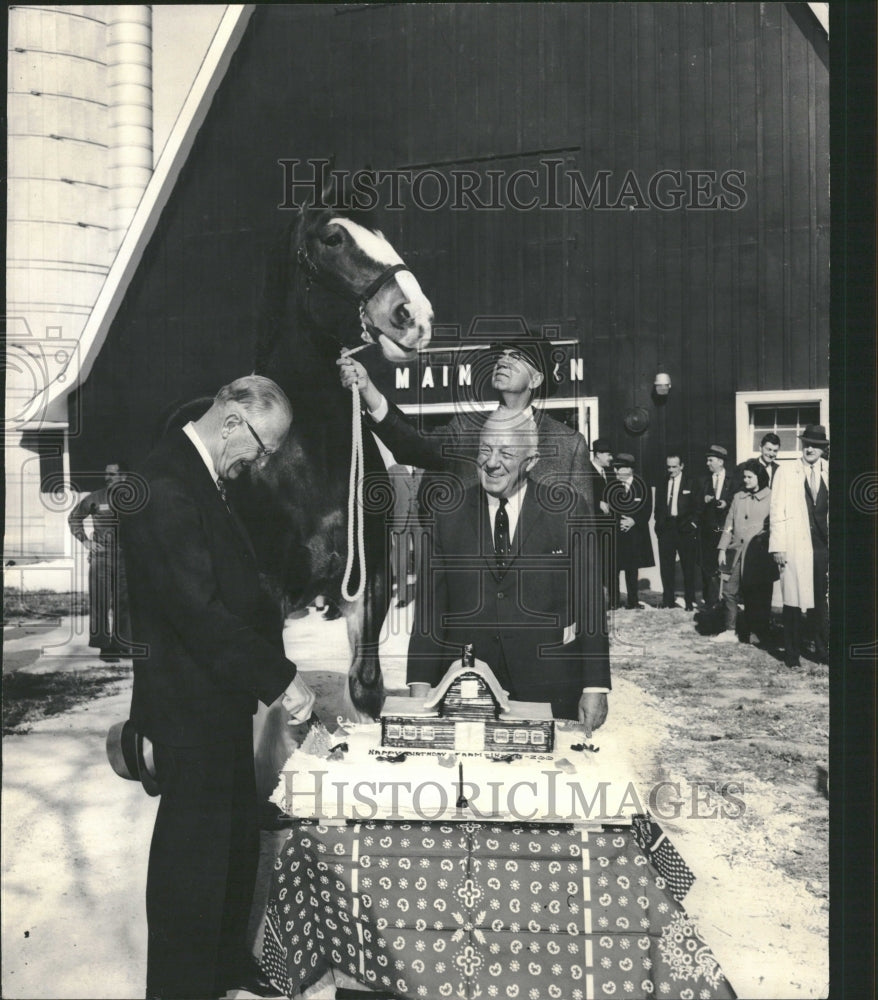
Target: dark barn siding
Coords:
[(724, 301)]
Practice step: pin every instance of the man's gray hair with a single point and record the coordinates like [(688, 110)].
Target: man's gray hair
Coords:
[(521, 428), (256, 394)]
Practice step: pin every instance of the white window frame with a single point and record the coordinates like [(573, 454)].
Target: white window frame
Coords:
[(744, 401)]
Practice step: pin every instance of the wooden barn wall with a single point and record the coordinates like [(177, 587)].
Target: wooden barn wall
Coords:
[(722, 300)]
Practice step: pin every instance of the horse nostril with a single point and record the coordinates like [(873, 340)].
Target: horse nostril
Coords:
[(402, 314)]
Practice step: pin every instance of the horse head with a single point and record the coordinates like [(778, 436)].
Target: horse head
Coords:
[(344, 263)]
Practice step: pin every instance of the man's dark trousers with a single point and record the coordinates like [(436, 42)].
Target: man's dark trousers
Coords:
[(670, 542), (198, 898)]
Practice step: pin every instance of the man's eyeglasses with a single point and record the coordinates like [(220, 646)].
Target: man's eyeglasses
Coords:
[(263, 451)]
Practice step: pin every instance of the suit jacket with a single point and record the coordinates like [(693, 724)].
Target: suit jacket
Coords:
[(633, 547), (515, 618), (213, 643), (711, 518), (687, 509), (453, 449)]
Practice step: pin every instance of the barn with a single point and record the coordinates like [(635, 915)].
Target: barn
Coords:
[(647, 185)]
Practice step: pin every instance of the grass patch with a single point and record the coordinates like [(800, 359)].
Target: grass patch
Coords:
[(29, 697), (41, 604)]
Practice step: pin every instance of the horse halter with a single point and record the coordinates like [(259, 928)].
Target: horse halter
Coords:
[(313, 275)]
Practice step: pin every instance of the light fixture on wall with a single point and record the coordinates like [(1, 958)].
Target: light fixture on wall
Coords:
[(662, 384)]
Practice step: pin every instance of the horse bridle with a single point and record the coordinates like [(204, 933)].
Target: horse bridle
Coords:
[(314, 275)]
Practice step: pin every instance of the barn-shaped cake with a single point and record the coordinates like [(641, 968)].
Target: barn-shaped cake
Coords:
[(468, 711)]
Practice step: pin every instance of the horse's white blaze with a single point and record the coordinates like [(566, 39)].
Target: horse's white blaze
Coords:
[(402, 331), (372, 244)]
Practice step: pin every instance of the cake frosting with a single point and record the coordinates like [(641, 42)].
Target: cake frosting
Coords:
[(351, 777)]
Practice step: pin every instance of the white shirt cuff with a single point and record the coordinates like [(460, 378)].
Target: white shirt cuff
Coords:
[(595, 690), (380, 411)]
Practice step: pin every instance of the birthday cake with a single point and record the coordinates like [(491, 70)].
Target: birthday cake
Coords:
[(394, 770), (468, 711)]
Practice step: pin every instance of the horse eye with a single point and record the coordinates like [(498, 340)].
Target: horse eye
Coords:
[(332, 240)]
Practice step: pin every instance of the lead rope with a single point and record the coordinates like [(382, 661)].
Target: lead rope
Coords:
[(355, 487)]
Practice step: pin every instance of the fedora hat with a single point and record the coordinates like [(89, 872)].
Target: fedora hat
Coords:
[(601, 444), (717, 451), (623, 458), (815, 434), (130, 756)]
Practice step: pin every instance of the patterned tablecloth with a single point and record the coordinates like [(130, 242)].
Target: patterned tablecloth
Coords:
[(477, 910)]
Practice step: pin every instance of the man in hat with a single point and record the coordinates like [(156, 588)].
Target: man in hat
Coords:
[(713, 500), (676, 524), (213, 649), (519, 375), (630, 501), (799, 542), (109, 628)]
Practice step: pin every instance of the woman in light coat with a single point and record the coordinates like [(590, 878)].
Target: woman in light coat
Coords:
[(747, 518)]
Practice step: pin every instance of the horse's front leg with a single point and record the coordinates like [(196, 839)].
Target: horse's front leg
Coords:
[(365, 683)]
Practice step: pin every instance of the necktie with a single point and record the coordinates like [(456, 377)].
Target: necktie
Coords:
[(715, 484), (221, 489), (501, 533), (814, 481)]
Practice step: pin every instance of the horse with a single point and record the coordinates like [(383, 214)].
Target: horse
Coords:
[(332, 280)]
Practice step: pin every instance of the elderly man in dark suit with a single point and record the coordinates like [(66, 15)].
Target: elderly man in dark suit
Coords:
[(519, 376), (676, 524), (213, 649), (630, 500), (714, 498), (509, 573)]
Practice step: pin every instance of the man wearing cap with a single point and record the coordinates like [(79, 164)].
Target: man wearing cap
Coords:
[(676, 523), (630, 500), (519, 375), (713, 500), (213, 648), (799, 542)]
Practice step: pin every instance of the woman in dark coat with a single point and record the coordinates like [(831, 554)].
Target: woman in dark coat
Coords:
[(630, 499)]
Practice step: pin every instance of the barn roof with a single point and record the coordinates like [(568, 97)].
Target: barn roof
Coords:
[(174, 155), (483, 670)]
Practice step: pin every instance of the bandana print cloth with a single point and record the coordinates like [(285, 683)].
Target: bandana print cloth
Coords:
[(470, 910)]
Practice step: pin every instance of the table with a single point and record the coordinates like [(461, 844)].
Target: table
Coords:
[(470, 910)]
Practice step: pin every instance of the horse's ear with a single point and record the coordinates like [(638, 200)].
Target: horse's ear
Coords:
[(326, 196)]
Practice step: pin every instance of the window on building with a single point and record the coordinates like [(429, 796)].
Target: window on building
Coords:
[(787, 422), (785, 413)]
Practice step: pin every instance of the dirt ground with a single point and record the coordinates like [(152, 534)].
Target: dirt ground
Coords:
[(729, 744), (744, 752)]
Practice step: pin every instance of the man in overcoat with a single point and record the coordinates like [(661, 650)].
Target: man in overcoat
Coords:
[(213, 648), (511, 572), (800, 544), (630, 500)]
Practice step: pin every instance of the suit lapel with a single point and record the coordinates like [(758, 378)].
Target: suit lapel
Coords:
[(530, 516), (204, 483)]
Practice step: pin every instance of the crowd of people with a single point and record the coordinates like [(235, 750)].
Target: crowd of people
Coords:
[(740, 528)]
